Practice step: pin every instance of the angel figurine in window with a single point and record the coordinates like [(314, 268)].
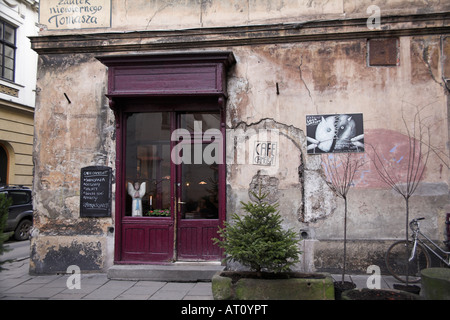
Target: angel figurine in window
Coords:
[(136, 192)]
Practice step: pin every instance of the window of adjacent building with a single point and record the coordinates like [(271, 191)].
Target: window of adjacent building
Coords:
[(7, 50), (3, 166)]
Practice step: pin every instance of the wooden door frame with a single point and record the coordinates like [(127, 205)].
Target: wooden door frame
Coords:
[(198, 82)]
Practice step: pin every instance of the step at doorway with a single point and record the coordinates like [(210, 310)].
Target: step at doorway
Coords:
[(175, 272)]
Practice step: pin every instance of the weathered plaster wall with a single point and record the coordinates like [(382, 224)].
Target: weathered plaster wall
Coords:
[(333, 77), (74, 128), (181, 14), (312, 77)]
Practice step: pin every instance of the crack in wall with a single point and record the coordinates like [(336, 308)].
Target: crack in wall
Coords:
[(317, 200), (429, 68), (161, 8), (306, 86), (293, 134)]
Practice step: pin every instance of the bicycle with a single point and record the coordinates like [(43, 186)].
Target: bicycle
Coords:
[(405, 260)]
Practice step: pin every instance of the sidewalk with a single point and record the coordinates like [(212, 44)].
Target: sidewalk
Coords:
[(17, 284)]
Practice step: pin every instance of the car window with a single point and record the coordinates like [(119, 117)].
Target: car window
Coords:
[(19, 197)]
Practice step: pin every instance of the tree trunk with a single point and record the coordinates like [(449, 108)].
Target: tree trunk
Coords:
[(407, 238), (345, 239)]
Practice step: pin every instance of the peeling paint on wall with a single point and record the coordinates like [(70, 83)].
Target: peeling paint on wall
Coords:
[(297, 185), (273, 86), (53, 258), (70, 134)]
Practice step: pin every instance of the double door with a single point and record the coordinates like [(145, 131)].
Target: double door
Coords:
[(173, 198)]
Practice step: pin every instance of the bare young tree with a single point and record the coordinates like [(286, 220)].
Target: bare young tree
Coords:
[(419, 149), (340, 170)]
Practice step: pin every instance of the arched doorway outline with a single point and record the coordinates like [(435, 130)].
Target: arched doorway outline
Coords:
[(10, 156)]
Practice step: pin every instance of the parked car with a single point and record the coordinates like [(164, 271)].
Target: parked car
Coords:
[(20, 218)]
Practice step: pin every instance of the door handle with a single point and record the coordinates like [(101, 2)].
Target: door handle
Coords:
[(181, 202)]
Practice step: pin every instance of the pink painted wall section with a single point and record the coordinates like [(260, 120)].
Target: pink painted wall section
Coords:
[(388, 148)]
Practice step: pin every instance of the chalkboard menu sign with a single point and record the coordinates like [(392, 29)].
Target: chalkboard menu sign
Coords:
[(95, 192)]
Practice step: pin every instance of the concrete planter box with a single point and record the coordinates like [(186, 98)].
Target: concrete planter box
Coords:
[(435, 283), (296, 286)]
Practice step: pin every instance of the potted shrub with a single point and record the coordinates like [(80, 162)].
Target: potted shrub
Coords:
[(259, 242)]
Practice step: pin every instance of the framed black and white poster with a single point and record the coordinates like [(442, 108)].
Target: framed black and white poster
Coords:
[(330, 133)]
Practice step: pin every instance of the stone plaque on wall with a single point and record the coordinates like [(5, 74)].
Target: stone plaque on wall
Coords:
[(75, 14)]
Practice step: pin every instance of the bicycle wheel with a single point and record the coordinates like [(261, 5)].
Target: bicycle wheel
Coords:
[(397, 261)]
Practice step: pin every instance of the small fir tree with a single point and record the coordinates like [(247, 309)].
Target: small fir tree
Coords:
[(258, 240)]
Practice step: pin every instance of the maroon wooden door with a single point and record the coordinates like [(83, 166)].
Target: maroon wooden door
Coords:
[(199, 185), (174, 163), (150, 96), (147, 228)]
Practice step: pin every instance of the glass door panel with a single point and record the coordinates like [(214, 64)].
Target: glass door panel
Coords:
[(198, 186), (196, 120), (199, 191), (198, 173), (148, 173)]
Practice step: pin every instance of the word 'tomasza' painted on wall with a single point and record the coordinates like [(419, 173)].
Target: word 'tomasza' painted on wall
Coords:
[(75, 14)]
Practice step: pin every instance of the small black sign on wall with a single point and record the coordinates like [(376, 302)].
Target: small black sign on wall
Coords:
[(95, 192)]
